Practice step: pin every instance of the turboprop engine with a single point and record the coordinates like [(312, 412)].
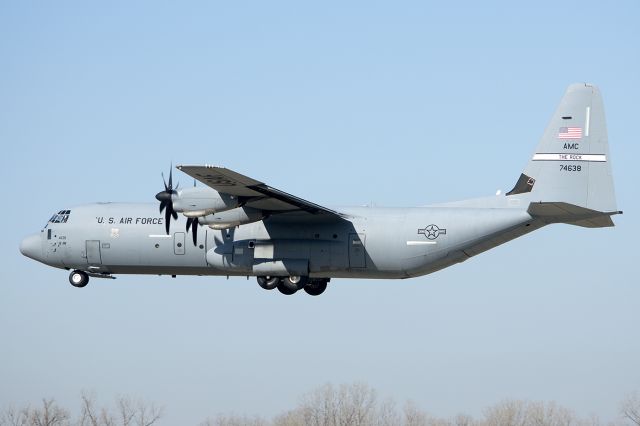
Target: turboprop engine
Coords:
[(199, 206), (196, 202)]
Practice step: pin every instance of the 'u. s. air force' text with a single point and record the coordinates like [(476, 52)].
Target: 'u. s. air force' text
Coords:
[(131, 220)]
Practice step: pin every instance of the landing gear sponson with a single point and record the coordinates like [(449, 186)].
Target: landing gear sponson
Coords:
[(290, 285)]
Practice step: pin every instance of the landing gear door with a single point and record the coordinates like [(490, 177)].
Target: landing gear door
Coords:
[(93, 252), (357, 258)]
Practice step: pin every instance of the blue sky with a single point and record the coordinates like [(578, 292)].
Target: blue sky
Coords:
[(396, 103)]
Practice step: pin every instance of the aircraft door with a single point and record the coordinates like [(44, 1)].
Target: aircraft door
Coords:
[(93, 252), (178, 243), (357, 257)]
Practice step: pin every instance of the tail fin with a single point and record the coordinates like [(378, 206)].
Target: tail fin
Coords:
[(571, 165)]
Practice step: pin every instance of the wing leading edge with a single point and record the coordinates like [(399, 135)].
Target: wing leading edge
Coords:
[(258, 195)]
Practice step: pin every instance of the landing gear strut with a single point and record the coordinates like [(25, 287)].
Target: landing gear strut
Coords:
[(78, 278)]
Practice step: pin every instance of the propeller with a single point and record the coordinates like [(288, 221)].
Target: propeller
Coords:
[(192, 222), (166, 203)]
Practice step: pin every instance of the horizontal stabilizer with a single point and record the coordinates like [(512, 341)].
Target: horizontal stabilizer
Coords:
[(558, 212)]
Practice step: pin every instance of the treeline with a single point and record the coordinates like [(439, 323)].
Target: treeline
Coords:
[(346, 405)]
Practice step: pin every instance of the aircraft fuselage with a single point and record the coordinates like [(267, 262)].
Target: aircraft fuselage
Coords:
[(117, 238)]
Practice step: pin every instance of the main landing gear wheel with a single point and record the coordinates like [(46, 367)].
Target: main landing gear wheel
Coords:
[(268, 283), (290, 285), (285, 290), (316, 287), (78, 278)]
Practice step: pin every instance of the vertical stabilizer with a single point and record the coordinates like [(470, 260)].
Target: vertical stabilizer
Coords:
[(571, 164)]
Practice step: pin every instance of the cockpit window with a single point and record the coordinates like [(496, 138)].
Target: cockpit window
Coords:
[(61, 217)]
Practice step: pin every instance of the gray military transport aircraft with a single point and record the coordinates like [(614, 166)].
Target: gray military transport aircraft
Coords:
[(239, 226)]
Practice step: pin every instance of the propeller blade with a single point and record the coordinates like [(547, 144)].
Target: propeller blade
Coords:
[(166, 188), (170, 178), (167, 219), (173, 213), (192, 222)]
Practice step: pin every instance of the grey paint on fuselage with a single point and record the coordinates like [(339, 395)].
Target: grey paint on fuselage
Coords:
[(132, 240)]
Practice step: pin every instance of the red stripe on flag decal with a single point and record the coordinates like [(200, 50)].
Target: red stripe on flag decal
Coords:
[(570, 133)]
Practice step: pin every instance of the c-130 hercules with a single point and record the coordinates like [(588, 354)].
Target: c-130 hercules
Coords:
[(242, 227)]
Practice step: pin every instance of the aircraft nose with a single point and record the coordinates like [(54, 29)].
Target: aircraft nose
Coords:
[(32, 247)]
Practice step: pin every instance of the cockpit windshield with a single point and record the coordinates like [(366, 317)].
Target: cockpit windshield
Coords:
[(61, 217)]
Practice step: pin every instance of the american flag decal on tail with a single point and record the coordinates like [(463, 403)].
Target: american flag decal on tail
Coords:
[(570, 133)]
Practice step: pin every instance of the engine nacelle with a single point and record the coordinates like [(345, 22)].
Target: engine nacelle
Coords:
[(195, 202), (230, 218)]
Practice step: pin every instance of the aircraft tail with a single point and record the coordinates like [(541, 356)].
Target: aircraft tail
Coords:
[(569, 176)]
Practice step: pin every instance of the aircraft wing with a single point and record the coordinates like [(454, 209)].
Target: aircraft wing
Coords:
[(258, 195)]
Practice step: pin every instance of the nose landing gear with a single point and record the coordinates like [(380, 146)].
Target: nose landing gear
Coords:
[(78, 278)]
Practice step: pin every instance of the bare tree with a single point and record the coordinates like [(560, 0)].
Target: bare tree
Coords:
[(592, 420), (146, 414), (523, 413), (463, 420), (630, 408), (234, 420), (289, 418), (125, 411), (413, 416), (92, 416), (128, 413), (15, 417), (356, 404), (49, 415), (347, 405), (388, 414), (505, 413), (350, 405), (547, 414)]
